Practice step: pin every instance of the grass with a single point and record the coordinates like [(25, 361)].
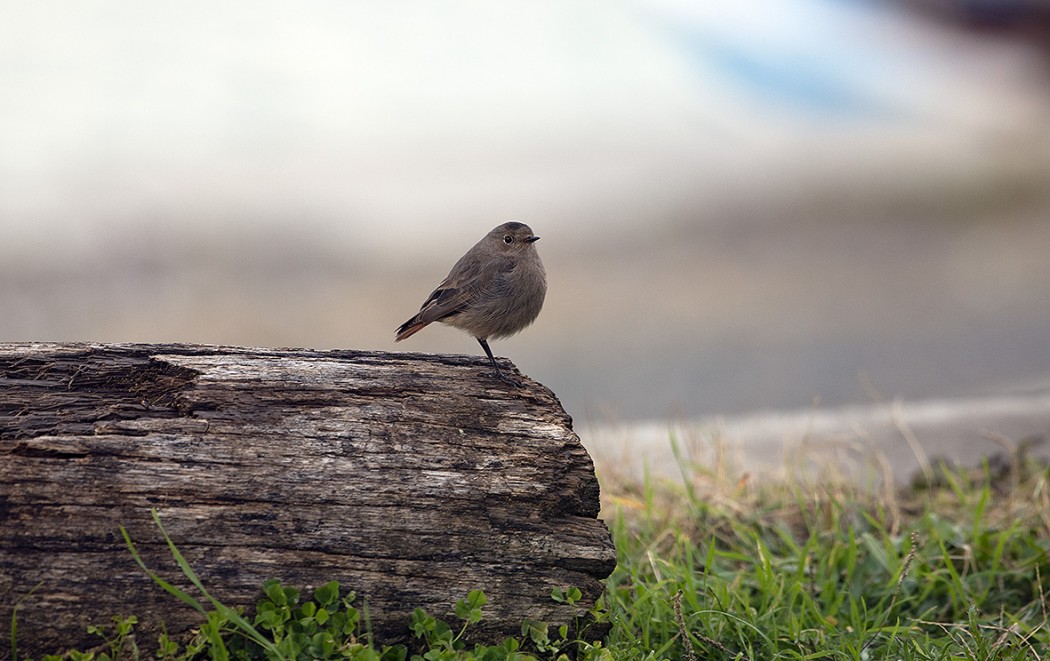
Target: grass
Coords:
[(720, 567), (950, 570)]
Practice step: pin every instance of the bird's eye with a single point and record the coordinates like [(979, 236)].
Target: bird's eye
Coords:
[(508, 239)]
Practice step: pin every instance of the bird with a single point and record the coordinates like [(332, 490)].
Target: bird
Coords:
[(494, 291)]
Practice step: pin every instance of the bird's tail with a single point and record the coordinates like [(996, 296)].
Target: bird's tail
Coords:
[(410, 328)]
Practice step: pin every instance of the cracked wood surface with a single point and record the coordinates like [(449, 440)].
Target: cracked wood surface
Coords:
[(408, 478)]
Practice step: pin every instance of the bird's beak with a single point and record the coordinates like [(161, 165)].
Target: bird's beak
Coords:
[(531, 239)]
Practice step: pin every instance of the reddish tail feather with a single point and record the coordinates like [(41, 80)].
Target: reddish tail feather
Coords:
[(410, 328)]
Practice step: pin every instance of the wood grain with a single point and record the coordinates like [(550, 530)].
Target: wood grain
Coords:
[(408, 478)]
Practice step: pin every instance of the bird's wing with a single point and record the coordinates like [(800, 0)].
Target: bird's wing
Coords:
[(466, 286), (441, 303)]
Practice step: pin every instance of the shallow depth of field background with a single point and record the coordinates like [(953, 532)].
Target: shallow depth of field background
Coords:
[(743, 207)]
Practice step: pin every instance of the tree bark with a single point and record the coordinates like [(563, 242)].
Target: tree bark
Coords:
[(411, 479)]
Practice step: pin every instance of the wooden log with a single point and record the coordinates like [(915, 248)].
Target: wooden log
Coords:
[(409, 478)]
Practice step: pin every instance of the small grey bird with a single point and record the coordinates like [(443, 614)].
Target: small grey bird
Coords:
[(494, 290)]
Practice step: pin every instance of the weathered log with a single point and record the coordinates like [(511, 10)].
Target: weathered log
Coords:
[(411, 479)]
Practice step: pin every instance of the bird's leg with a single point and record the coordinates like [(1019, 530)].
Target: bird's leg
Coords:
[(499, 375)]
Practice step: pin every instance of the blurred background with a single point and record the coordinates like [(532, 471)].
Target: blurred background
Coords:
[(748, 206)]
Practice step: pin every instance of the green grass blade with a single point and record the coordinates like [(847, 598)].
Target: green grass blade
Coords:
[(231, 615), (168, 587)]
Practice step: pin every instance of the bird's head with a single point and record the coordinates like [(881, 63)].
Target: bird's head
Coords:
[(512, 237)]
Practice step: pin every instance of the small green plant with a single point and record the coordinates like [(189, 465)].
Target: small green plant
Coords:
[(117, 643), (328, 626)]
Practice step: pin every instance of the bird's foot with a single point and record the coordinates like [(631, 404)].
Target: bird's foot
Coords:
[(514, 383)]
